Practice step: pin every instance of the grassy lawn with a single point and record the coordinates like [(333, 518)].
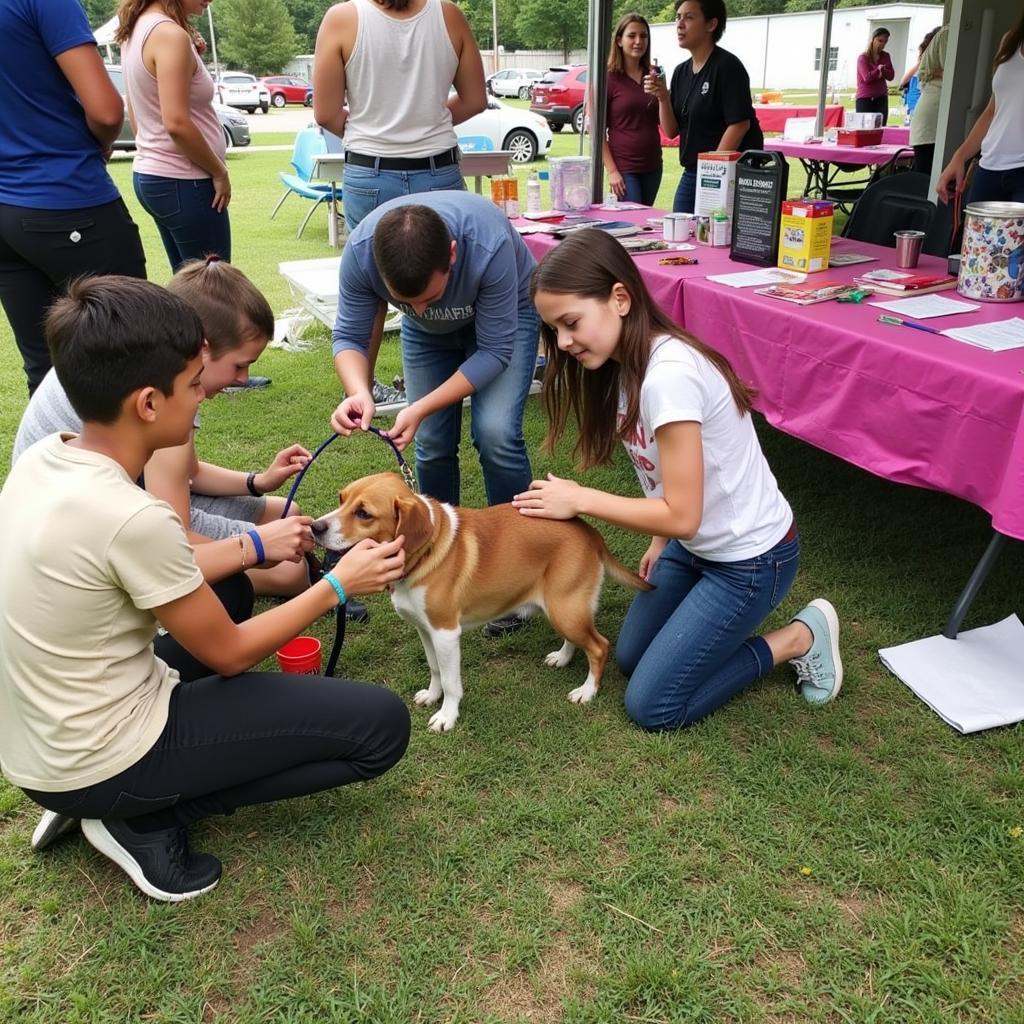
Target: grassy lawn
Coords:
[(547, 862)]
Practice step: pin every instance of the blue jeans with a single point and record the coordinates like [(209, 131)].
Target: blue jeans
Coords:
[(996, 186), (687, 646), (428, 360), (190, 228), (642, 186), (363, 189), (686, 193)]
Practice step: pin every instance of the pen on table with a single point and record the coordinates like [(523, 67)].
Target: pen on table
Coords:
[(896, 321)]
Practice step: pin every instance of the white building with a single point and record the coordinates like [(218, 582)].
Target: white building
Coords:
[(782, 51)]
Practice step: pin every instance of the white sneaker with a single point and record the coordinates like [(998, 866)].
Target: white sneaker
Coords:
[(50, 828)]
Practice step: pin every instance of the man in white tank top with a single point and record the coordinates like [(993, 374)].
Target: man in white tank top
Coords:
[(383, 72)]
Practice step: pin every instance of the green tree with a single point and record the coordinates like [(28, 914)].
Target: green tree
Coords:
[(257, 35), (99, 12), (553, 24), (306, 16), (479, 14)]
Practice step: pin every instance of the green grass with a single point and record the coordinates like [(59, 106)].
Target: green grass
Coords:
[(547, 862)]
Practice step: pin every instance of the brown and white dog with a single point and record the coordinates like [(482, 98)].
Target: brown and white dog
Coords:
[(467, 566)]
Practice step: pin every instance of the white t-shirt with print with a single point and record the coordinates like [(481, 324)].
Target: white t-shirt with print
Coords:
[(744, 511)]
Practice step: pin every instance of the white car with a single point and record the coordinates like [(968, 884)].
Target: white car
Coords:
[(514, 82), (526, 136), (247, 92)]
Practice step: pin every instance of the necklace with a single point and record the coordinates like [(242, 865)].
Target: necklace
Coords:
[(698, 79)]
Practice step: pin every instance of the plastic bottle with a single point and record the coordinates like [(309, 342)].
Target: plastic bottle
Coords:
[(533, 200)]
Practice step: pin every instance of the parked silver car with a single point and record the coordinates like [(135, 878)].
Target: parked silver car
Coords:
[(234, 124)]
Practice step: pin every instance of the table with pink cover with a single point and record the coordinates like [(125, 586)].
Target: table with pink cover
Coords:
[(909, 406), (822, 161), (773, 116), (896, 135)]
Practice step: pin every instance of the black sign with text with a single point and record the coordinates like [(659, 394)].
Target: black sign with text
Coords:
[(761, 183)]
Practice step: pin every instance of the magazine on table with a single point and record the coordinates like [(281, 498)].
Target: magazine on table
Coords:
[(805, 293), (903, 282)]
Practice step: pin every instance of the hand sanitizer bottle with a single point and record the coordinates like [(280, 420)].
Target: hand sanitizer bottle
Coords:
[(533, 200)]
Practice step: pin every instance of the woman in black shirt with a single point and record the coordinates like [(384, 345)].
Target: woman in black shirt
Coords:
[(708, 103)]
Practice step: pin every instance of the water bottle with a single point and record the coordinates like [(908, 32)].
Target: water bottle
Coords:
[(533, 200)]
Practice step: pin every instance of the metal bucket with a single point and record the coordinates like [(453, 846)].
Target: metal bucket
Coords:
[(992, 256)]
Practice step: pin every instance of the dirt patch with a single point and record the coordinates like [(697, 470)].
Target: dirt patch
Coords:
[(563, 896)]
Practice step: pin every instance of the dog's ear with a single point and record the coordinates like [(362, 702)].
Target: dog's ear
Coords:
[(412, 519)]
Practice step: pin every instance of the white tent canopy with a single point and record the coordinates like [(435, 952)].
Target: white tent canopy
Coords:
[(105, 33)]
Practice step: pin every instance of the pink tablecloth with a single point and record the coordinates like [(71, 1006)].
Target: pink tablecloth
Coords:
[(773, 116), (896, 135), (823, 152), (909, 406)]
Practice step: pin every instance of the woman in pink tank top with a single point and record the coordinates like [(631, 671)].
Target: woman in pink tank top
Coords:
[(179, 172)]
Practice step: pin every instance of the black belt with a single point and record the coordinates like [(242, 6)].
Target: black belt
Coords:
[(404, 163)]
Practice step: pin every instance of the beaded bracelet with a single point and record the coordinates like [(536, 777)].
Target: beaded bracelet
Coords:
[(338, 588)]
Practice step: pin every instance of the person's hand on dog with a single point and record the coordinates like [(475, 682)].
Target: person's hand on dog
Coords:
[(354, 413), (369, 566), (651, 555), (407, 422), (286, 464), (553, 498), (286, 540)]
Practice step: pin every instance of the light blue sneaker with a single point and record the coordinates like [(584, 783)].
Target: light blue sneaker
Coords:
[(820, 671)]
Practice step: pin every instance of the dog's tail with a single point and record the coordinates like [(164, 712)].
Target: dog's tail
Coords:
[(622, 573)]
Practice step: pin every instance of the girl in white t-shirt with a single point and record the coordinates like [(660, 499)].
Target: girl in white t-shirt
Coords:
[(724, 548)]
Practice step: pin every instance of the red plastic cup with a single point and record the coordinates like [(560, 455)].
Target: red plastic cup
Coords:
[(301, 656)]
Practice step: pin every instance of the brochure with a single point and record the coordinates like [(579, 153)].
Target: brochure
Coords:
[(805, 294)]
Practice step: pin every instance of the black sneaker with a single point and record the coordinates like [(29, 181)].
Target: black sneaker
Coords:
[(159, 863), (506, 625), (50, 828), (356, 611), (382, 394), (249, 385)]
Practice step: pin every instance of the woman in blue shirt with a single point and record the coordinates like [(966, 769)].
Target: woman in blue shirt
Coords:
[(61, 216)]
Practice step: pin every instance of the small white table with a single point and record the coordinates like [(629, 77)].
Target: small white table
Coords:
[(331, 167)]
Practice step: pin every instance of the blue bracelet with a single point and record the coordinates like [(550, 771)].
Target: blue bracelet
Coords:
[(338, 588), (261, 555)]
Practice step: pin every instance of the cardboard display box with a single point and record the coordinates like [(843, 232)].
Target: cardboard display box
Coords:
[(805, 236)]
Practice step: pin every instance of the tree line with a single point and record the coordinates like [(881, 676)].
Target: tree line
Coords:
[(262, 36)]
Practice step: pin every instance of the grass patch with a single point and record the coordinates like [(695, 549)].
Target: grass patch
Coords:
[(547, 862)]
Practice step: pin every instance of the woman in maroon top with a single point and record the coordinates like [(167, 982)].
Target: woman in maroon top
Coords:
[(632, 147), (874, 73)]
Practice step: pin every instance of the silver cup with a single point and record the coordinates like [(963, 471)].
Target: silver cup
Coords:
[(908, 248)]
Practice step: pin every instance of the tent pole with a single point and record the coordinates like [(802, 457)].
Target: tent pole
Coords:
[(826, 39), (599, 27)]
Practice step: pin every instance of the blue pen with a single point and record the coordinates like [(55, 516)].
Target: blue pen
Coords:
[(896, 321)]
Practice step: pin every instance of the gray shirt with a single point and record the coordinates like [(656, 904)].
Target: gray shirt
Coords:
[(48, 412)]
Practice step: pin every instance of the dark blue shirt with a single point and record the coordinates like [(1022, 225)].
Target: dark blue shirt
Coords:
[(49, 160), (488, 285)]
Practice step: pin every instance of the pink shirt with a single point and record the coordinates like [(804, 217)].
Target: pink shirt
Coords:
[(873, 79), (155, 151)]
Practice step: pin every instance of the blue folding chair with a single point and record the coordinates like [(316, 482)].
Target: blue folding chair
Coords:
[(475, 144), (309, 144)]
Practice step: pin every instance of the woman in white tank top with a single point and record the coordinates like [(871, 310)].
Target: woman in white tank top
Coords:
[(998, 134), (383, 72)]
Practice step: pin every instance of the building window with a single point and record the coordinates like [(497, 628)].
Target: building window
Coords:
[(833, 58)]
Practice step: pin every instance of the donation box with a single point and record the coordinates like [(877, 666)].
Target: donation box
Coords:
[(761, 183)]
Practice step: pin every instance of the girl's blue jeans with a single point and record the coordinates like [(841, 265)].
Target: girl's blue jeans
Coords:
[(996, 186), (686, 193), (687, 647), (642, 186), (189, 226)]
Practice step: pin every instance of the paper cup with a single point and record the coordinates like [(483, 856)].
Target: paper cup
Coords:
[(301, 656)]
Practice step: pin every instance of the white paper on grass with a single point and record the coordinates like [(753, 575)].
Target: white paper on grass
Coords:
[(974, 682), (997, 337), (921, 307)]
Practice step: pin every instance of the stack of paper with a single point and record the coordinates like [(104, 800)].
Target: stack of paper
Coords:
[(996, 337), (753, 278), (925, 306)]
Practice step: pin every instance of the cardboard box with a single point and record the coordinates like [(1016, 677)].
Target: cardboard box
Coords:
[(805, 237), (716, 182)]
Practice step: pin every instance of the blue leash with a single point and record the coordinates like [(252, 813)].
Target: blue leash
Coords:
[(314, 569)]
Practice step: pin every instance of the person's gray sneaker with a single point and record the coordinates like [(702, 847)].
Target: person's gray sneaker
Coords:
[(383, 394), (250, 384), (506, 625), (159, 863), (820, 671), (50, 828)]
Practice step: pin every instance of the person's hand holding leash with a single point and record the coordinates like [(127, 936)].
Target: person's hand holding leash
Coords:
[(553, 498), (407, 422), (369, 567), (354, 413), (286, 464), (286, 540)]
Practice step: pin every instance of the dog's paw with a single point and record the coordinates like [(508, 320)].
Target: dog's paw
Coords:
[(561, 657), (584, 694), (442, 721), (424, 698)]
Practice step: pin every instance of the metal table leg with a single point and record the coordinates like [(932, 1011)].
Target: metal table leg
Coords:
[(974, 584)]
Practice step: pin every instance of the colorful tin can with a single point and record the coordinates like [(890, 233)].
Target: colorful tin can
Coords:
[(992, 256)]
